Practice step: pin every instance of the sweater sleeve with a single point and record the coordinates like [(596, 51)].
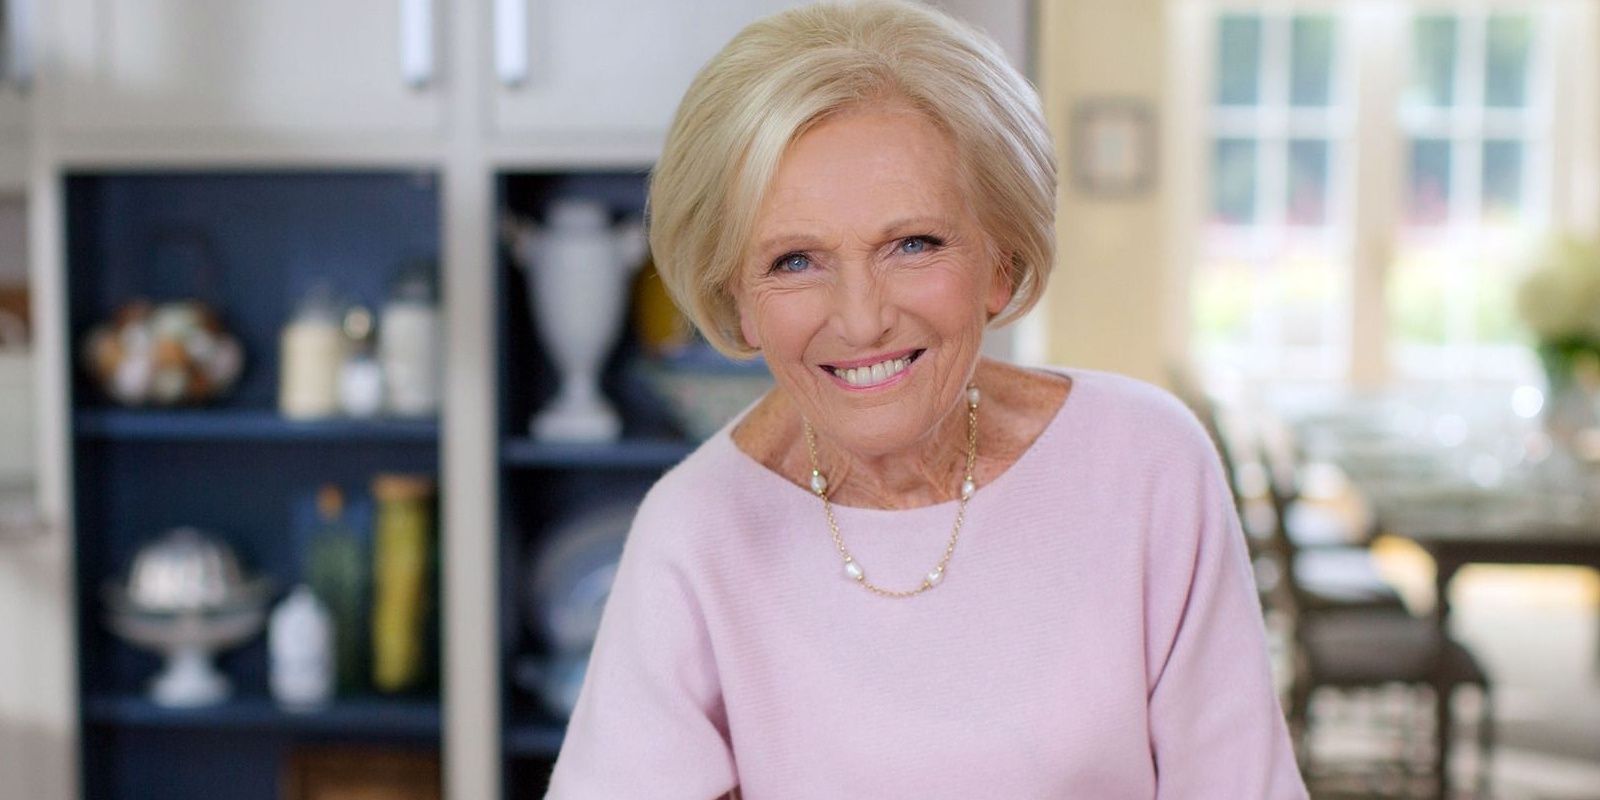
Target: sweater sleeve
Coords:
[(649, 721), (1216, 727)]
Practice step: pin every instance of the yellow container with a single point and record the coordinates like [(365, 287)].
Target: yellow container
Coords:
[(402, 573)]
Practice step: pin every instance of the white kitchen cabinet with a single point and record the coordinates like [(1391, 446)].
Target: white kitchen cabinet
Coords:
[(604, 72), (17, 62), (290, 67), (14, 118)]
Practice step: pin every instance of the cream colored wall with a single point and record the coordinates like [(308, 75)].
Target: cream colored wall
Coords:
[(1112, 303)]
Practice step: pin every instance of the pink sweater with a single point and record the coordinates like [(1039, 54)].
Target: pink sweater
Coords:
[(1097, 634)]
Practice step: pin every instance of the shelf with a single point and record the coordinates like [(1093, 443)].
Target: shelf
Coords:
[(357, 717), (534, 739), (626, 454), (240, 425)]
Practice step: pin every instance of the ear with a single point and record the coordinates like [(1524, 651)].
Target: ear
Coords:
[(747, 327), (1000, 288)]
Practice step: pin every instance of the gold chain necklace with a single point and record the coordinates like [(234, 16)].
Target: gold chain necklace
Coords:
[(852, 568)]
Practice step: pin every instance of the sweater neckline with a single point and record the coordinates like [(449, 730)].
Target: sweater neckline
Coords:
[(796, 493)]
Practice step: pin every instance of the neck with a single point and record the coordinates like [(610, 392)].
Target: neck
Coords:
[(929, 472)]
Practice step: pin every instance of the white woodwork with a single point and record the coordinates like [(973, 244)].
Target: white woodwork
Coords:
[(606, 72), (14, 126), (288, 66)]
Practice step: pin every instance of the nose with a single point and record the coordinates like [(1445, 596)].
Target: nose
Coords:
[(862, 315)]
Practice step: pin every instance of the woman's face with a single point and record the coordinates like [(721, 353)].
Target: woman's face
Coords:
[(868, 281)]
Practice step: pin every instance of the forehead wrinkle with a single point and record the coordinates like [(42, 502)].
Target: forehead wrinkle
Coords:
[(861, 193), (896, 202)]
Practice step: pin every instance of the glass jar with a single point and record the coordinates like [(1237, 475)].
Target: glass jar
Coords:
[(311, 354), (410, 340)]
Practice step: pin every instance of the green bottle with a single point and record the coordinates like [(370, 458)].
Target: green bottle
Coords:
[(337, 571)]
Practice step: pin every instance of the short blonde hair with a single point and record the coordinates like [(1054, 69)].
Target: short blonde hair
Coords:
[(779, 76)]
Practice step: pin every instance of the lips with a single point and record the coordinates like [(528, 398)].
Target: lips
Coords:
[(867, 372)]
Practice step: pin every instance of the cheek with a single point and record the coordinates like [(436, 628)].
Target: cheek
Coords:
[(949, 298), (783, 324)]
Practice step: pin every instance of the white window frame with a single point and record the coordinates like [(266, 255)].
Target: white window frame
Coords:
[(1365, 204)]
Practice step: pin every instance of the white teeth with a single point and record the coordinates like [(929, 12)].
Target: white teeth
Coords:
[(875, 374)]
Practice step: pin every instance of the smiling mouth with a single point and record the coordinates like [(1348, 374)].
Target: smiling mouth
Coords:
[(872, 374)]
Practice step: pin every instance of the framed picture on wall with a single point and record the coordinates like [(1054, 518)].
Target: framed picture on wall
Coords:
[(1113, 147)]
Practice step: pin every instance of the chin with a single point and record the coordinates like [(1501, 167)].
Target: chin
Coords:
[(880, 431)]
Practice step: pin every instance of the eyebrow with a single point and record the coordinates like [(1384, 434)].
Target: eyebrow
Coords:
[(906, 222), (788, 241), (803, 241)]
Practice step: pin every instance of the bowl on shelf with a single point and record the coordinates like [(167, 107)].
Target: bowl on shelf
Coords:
[(171, 354), (703, 390), (188, 640), (187, 598), (569, 578)]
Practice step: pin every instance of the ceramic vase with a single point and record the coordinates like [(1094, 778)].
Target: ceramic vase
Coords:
[(579, 267)]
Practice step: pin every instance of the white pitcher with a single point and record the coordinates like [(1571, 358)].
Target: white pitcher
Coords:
[(578, 268)]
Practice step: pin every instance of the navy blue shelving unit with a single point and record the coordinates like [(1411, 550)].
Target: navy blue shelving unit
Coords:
[(246, 425), (532, 738), (366, 717), (542, 483), (645, 454), (233, 468)]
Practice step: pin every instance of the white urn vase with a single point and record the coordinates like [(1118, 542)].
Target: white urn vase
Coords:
[(578, 266)]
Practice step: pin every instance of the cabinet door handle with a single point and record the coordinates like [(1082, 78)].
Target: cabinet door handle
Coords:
[(416, 42), (511, 41), (19, 42)]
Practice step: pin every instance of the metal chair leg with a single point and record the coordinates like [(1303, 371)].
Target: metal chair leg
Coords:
[(1299, 723), (1443, 730), (1485, 742)]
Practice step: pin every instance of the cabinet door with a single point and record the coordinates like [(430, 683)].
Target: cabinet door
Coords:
[(608, 71), (284, 66)]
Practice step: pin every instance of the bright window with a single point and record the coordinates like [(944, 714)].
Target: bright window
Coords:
[(1270, 284), (1371, 179), (1476, 193)]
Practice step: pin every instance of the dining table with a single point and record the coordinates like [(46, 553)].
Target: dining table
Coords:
[(1467, 488)]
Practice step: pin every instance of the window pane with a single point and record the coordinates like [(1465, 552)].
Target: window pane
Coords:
[(1233, 181), (1433, 61), (1238, 59), (1311, 66), (1308, 182), (1222, 299), (1502, 180), (1429, 195), (1420, 283), (1305, 290), (1506, 78), (1495, 317)]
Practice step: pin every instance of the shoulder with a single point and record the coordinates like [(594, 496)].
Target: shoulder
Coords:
[(697, 502), (1136, 419)]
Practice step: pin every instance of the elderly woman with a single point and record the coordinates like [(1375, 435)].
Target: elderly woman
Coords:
[(909, 570)]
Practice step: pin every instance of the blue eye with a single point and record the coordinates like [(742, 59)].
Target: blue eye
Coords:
[(793, 262), (917, 245)]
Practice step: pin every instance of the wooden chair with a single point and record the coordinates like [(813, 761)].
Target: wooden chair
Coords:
[(1369, 646), (1351, 628), (1330, 577)]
